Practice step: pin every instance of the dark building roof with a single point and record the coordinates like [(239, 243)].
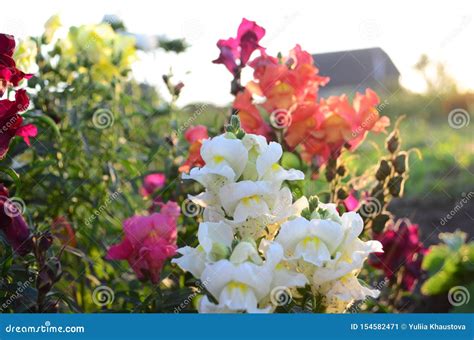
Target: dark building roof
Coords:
[(359, 69)]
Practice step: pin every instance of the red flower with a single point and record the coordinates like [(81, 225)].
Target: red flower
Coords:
[(402, 251), (151, 183), (13, 224), (194, 135), (237, 51), (11, 122), (149, 241), (9, 74)]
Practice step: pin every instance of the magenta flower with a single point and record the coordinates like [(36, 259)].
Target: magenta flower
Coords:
[(13, 224), (149, 241), (351, 202), (151, 183), (402, 251), (237, 51), (11, 123), (9, 74)]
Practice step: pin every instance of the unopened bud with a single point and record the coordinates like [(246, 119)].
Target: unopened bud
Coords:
[(395, 186), (383, 171), (379, 222), (341, 170), (313, 203), (393, 142), (342, 194), (400, 163)]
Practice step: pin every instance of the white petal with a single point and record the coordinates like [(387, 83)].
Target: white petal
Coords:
[(250, 208), (283, 277), (231, 194), (192, 260), (349, 288), (245, 251), (312, 250), (292, 232), (220, 149), (331, 233), (210, 233), (269, 157)]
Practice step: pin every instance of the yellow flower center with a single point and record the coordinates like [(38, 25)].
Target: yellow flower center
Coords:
[(218, 159), (248, 200), (237, 285), (275, 167), (311, 240)]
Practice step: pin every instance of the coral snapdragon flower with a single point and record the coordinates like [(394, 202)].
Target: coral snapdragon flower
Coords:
[(149, 241), (194, 136)]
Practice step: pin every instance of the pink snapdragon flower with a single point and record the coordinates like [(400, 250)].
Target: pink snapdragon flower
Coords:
[(237, 51), (149, 241), (151, 183)]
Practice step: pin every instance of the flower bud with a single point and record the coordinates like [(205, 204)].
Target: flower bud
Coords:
[(400, 163), (219, 252), (44, 242), (341, 170), (379, 222), (395, 186), (313, 203), (383, 171), (342, 194), (393, 142)]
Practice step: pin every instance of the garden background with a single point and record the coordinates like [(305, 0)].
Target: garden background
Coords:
[(112, 102)]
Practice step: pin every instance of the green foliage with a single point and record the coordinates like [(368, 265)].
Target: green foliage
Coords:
[(450, 264)]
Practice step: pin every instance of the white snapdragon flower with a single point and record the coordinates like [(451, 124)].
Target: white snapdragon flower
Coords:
[(225, 160), (263, 161), (329, 252), (242, 285), (246, 199), (215, 241)]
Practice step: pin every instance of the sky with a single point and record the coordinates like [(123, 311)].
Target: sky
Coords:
[(405, 30)]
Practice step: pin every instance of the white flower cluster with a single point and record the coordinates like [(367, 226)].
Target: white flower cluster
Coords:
[(254, 241)]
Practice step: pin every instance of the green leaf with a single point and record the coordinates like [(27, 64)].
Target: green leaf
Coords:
[(13, 175)]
